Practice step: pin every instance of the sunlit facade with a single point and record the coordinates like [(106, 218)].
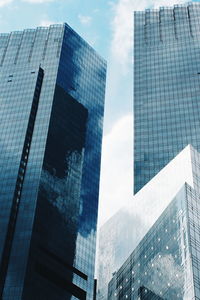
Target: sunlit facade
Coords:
[(51, 112), (166, 87), (165, 264), (112, 252), (124, 231)]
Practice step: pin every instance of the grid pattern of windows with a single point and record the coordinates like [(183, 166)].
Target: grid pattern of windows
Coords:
[(19, 183), (165, 263), (53, 246), (123, 232), (166, 87)]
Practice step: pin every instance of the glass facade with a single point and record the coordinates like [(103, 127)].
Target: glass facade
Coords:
[(165, 264), (165, 258), (166, 87), (124, 231), (51, 110), (116, 238)]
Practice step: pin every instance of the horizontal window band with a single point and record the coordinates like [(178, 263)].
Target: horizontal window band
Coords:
[(62, 283), (64, 263)]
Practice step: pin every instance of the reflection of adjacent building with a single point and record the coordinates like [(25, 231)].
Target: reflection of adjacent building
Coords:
[(165, 262), (51, 109)]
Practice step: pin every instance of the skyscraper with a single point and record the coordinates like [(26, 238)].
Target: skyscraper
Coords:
[(166, 87), (120, 235), (51, 112), (166, 119), (165, 262)]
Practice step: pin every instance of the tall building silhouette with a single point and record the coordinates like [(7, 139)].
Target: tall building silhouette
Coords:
[(51, 112), (166, 87)]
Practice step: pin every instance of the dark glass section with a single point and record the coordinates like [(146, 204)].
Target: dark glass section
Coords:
[(60, 282), (95, 290), (82, 75), (19, 183), (146, 294), (70, 267), (56, 219)]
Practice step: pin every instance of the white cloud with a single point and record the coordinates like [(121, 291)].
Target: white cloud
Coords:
[(159, 3), (46, 23), (116, 169), (37, 1), (86, 20), (5, 2), (171, 273), (122, 25)]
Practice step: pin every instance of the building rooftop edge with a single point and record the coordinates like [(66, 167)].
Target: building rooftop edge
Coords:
[(167, 7), (64, 24)]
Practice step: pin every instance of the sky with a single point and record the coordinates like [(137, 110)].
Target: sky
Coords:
[(108, 27)]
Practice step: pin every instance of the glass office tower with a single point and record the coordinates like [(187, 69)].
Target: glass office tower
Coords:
[(165, 264), (166, 87), (51, 113), (120, 235)]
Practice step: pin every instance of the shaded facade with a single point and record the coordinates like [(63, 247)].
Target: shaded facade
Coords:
[(166, 87), (147, 294), (51, 110)]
